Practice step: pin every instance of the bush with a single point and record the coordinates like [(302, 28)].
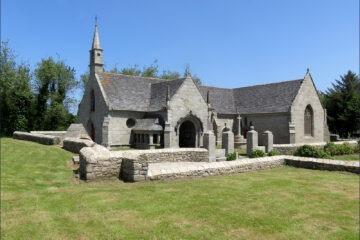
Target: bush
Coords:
[(274, 152), (331, 149), (341, 149), (345, 149), (257, 153), (310, 151), (231, 156)]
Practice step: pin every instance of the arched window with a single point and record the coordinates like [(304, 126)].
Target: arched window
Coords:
[(309, 121), (92, 101)]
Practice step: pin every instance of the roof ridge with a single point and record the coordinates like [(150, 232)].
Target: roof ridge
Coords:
[(267, 84), (134, 76), (166, 80)]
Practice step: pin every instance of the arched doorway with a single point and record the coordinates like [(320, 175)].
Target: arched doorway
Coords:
[(187, 134)]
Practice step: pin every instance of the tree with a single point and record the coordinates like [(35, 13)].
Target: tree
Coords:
[(342, 102), (170, 75), (54, 81), (15, 93)]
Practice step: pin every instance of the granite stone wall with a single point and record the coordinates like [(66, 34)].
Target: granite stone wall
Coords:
[(219, 168), (98, 162), (76, 144), (36, 137), (308, 96), (96, 117), (187, 99), (323, 164), (276, 123)]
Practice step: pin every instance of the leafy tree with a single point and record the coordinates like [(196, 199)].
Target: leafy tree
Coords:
[(342, 102), (151, 71), (15, 93), (170, 75), (54, 81)]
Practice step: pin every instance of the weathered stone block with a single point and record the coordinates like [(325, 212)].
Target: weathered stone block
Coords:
[(228, 142)]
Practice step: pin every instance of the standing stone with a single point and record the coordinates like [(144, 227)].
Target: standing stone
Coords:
[(268, 140), (251, 140), (292, 132), (239, 139), (228, 142), (167, 137), (209, 144)]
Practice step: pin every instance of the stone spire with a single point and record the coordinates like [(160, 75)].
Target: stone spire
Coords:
[(96, 39), (96, 53)]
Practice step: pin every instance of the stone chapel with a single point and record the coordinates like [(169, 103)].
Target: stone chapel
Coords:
[(122, 110)]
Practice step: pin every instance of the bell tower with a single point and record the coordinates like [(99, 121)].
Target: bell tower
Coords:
[(96, 53)]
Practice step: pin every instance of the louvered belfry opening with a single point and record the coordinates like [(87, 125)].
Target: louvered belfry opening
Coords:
[(308, 121)]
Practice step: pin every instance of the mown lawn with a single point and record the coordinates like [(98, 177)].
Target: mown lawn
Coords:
[(40, 199), (350, 157)]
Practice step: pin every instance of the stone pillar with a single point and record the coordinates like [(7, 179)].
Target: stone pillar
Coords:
[(167, 136), (209, 144), (268, 140), (292, 132), (105, 133), (228, 142), (251, 140), (151, 141)]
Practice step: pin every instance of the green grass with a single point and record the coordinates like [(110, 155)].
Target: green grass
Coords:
[(350, 157), (40, 199)]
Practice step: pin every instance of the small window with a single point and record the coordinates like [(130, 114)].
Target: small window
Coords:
[(92, 100), (130, 122), (98, 54)]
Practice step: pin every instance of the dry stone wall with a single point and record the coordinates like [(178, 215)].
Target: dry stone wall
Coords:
[(98, 162), (76, 144), (36, 137)]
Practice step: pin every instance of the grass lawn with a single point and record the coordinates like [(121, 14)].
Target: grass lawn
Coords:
[(40, 199), (351, 157)]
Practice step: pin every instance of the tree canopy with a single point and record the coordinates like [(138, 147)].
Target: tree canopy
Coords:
[(35, 100), (342, 102)]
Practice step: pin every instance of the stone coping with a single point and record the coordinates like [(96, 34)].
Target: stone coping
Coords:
[(37, 137), (314, 144), (157, 171)]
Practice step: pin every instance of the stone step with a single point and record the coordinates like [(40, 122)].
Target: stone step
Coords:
[(76, 159)]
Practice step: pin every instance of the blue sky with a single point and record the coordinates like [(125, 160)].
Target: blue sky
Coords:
[(228, 43)]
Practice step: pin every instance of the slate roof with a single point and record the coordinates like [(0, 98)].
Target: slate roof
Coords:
[(147, 124), (135, 93), (267, 98), (221, 99), (143, 94)]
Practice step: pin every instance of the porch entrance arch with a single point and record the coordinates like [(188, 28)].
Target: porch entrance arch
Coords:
[(187, 134)]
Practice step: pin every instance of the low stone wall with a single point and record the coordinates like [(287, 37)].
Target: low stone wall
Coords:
[(60, 134), (166, 171), (36, 137), (289, 149), (323, 164), (96, 163), (131, 165), (76, 144), (212, 169)]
